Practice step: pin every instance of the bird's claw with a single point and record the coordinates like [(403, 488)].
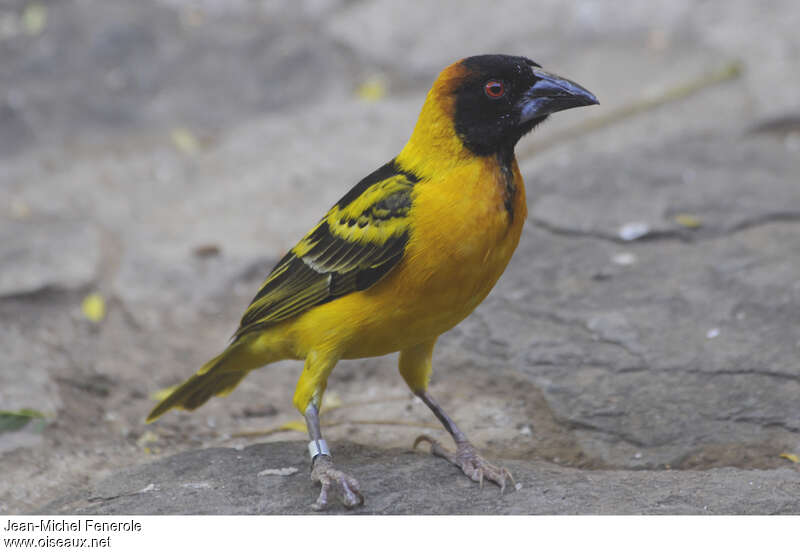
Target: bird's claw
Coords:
[(327, 475), (470, 462)]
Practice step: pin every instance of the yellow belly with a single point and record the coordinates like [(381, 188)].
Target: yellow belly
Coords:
[(462, 239)]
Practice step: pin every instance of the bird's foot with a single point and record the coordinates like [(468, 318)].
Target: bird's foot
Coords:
[(329, 476), (470, 461)]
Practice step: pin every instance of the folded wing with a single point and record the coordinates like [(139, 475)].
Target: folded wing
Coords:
[(356, 244)]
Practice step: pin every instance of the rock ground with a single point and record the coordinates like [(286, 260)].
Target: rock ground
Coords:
[(165, 153), (267, 479)]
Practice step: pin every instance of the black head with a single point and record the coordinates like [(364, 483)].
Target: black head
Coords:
[(500, 98)]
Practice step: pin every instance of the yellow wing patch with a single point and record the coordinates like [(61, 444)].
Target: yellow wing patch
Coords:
[(358, 241)]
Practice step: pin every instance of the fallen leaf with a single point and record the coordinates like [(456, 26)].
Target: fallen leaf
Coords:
[(34, 18), (94, 307), (185, 141), (15, 420), (206, 250), (20, 209), (688, 221), (299, 426), (372, 89), (147, 438), (285, 471), (790, 456)]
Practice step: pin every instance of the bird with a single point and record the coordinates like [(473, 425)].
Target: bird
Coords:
[(405, 255)]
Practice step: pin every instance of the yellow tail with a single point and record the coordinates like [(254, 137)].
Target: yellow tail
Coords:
[(218, 377)]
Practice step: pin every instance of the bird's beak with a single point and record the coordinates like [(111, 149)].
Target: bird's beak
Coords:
[(552, 93)]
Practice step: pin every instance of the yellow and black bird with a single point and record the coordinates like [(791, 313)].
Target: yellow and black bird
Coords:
[(405, 255)]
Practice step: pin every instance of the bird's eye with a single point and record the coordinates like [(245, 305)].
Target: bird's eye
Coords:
[(494, 89)]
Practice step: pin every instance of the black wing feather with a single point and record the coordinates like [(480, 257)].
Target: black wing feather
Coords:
[(355, 245)]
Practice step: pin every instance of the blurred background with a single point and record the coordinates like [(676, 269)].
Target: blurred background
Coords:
[(158, 156)]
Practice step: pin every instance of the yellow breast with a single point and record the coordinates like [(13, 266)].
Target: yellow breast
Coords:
[(462, 237)]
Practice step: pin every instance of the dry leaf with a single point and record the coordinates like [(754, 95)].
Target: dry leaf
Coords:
[(93, 307), (373, 89), (285, 471), (20, 209), (185, 141), (147, 438), (15, 420), (299, 426), (34, 18), (206, 250), (688, 221), (790, 456)]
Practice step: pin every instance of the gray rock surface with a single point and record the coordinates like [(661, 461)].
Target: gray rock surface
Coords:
[(402, 482), (165, 153), (48, 254)]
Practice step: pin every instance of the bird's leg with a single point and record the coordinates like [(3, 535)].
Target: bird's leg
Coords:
[(307, 399), (323, 470), (466, 457), (415, 368)]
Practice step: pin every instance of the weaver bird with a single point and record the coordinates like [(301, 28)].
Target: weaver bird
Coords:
[(405, 255)]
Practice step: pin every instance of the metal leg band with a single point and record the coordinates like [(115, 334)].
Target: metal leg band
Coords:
[(317, 448)]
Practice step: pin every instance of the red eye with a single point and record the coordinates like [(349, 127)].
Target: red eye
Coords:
[(494, 89)]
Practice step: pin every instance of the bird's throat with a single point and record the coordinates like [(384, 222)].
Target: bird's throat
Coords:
[(505, 161)]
